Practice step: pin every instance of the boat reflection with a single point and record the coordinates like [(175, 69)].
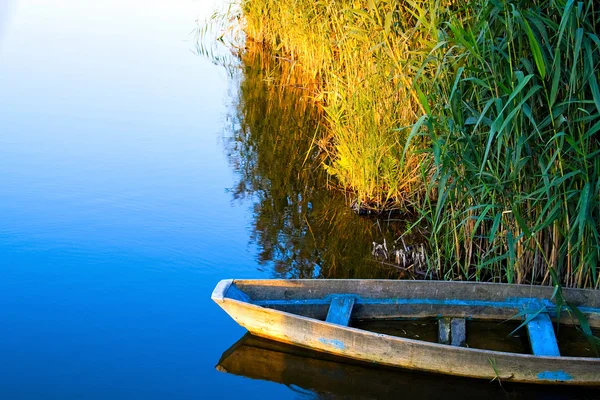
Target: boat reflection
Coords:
[(330, 377)]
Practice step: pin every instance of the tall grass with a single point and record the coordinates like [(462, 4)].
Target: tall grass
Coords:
[(515, 115), (480, 116), (357, 61)]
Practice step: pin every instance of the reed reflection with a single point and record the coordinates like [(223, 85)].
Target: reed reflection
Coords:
[(302, 229)]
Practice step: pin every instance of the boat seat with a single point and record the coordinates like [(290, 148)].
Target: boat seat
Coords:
[(340, 310), (541, 336), (452, 331)]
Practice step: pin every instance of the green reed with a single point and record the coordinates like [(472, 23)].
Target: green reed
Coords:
[(514, 137), (481, 117)]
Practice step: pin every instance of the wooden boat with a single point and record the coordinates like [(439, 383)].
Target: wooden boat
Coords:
[(318, 314), (333, 377)]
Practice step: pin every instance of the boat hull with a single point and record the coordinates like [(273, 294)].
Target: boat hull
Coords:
[(321, 373), (395, 351)]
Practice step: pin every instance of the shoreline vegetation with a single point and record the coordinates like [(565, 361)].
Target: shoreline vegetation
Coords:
[(481, 119), (302, 229)]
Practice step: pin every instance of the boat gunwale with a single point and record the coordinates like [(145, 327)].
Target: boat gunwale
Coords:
[(509, 286), (507, 301)]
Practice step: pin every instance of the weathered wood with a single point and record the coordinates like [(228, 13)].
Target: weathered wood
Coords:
[(298, 289), (221, 289), (396, 351), (444, 330), (340, 310), (541, 336), (458, 332)]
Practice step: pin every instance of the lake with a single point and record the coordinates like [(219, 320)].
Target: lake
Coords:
[(134, 175)]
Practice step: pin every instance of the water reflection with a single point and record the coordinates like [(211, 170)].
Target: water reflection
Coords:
[(302, 229), (332, 377)]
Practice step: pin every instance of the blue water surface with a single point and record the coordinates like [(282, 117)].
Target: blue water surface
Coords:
[(115, 222), (120, 210)]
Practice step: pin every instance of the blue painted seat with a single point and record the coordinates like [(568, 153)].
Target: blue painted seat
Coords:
[(541, 336), (340, 310)]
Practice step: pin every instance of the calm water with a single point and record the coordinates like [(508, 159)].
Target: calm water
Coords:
[(130, 183), (115, 223)]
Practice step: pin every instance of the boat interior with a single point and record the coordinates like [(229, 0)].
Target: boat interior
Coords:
[(509, 318)]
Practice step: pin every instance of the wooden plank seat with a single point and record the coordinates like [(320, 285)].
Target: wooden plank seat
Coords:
[(541, 336), (452, 331), (340, 310)]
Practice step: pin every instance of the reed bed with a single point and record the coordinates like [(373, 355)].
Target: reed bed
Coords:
[(362, 88), (516, 144), (480, 117)]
